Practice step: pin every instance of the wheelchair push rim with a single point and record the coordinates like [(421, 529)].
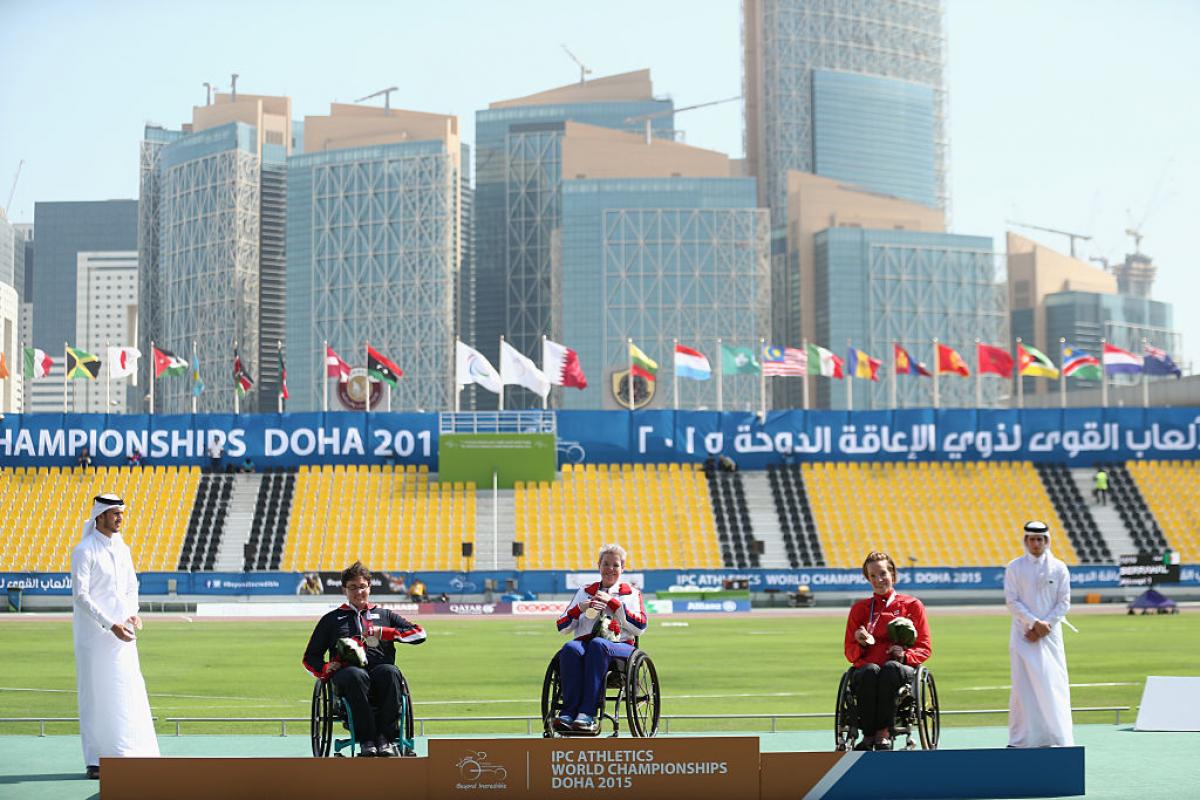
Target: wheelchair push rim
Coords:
[(643, 702), (551, 698), (322, 719), (843, 728), (929, 724)]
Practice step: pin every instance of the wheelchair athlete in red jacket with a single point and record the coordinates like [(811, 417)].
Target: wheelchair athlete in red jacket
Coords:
[(881, 665)]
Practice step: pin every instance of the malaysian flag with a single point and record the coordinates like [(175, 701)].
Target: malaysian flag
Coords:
[(784, 361)]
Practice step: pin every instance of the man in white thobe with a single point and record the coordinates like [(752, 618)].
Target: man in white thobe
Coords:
[(1037, 591), (114, 712)]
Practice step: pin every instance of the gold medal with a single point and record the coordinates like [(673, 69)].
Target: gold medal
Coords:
[(372, 641)]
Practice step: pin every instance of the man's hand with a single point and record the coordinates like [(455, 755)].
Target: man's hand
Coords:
[(121, 632), (895, 653), (134, 622), (1040, 628)]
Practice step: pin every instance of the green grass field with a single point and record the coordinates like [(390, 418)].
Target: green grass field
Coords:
[(760, 663)]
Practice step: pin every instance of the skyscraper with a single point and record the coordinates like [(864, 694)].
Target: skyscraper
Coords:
[(846, 89), (212, 234), (518, 200), (374, 246)]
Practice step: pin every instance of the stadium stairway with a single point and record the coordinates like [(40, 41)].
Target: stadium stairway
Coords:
[(1079, 523), (763, 520), (1108, 521), (735, 531), (199, 549), (1139, 520), (801, 542), (268, 530), (236, 532), (505, 504)]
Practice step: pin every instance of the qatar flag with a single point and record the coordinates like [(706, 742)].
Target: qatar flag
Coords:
[(561, 365)]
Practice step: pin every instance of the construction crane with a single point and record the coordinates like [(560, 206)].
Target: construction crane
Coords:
[(1136, 230), (648, 118), (1073, 236), (13, 190), (584, 70), (387, 97)]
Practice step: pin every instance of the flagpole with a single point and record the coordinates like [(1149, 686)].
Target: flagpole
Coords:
[(325, 363), (1103, 376), (1020, 383), (674, 375), (367, 347), (850, 378), (762, 380), (153, 368), (458, 387), (546, 396), (501, 355), (195, 398), (720, 375), (1062, 373), (66, 359), (978, 379), (893, 376), (1145, 378), (804, 380), (26, 382), (936, 371), (629, 352), (279, 391), (107, 379)]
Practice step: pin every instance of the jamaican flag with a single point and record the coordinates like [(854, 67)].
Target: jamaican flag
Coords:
[(81, 364)]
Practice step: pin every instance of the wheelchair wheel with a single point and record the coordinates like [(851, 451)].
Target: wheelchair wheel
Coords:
[(844, 723), (407, 740), (929, 720), (643, 702), (552, 701), (322, 719)]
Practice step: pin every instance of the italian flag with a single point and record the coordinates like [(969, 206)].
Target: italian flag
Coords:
[(642, 364), (823, 362), (166, 362), (37, 363)]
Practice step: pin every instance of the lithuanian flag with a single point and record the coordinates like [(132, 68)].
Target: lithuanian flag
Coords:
[(641, 364), (81, 364)]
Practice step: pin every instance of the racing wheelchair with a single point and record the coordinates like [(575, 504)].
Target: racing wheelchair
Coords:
[(630, 681), (329, 708), (916, 712)]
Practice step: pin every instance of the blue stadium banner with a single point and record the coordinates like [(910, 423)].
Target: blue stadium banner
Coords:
[(1079, 437)]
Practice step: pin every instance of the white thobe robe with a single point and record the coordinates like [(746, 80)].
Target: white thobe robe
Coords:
[(1039, 707), (114, 711)]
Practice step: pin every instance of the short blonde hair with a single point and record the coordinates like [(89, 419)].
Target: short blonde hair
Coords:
[(615, 549)]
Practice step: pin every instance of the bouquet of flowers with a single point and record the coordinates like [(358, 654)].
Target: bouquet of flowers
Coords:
[(902, 631), (350, 652)]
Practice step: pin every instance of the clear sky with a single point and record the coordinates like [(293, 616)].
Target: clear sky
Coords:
[(1081, 115)]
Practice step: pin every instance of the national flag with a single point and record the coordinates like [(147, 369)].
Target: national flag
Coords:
[(905, 364), (949, 361), (692, 364), (641, 363), (381, 368), (1033, 363), (197, 383), (167, 362), (1080, 364), (738, 361), (122, 362), (82, 364), (517, 369), (994, 360), (335, 366), (1120, 362), (3, 366), (823, 362), (37, 363), (861, 365), (241, 379), (472, 367), (283, 392), (782, 361), (1157, 362), (561, 365)]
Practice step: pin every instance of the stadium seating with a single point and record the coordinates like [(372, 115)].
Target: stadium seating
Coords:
[(1172, 494), (732, 515), (207, 523), (48, 506), (801, 541), (268, 530), (660, 513), (928, 513), (389, 517)]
